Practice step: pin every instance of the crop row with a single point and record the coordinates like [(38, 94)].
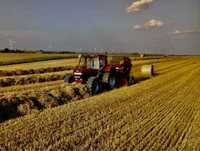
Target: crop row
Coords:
[(29, 79), (30, 87), (33, 71), (18, 104)]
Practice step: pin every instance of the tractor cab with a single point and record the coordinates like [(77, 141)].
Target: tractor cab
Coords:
[(95, 62), (88, 66)]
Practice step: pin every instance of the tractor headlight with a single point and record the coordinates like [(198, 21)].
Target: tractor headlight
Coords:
[(78, 73)]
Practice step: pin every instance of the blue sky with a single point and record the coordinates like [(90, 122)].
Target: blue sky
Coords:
[(159, 26)]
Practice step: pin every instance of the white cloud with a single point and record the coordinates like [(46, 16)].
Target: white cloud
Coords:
[(184, 32), (176, 32), (137, 27), (153, 23), (149, 25), (139, 5)]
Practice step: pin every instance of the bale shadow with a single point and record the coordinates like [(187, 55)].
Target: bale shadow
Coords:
[(140, 79), (9, 113)]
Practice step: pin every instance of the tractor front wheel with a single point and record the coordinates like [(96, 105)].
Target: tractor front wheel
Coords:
[(94, 85), (69, 79)]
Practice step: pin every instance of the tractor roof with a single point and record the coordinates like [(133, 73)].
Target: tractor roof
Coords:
[(92, 55)]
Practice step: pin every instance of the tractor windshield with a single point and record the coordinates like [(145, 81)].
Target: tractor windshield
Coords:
[(93, 63), (96, 63), (89, 62), (82, 62)]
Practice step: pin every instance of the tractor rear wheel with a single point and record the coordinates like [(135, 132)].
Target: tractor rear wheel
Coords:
[(94, 85), (112, 81)]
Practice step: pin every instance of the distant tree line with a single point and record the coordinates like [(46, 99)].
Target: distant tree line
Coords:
[(134, 54), (7, 50)]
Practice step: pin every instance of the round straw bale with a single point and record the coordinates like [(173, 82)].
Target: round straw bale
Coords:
[(147, 70)]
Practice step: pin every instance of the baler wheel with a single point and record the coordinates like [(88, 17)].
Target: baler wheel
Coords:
[(112, 81)]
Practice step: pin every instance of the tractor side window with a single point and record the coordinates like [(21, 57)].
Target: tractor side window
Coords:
[(96, 63), (102, 62), (89, 63), (82, 62)]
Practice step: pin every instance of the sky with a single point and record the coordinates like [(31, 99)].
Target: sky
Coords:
[(145, 26)]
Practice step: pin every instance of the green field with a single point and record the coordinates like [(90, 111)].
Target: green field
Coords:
[(15, 58)]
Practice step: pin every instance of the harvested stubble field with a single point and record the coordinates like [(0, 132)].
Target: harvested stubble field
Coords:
[(17, 93), (162, 113)]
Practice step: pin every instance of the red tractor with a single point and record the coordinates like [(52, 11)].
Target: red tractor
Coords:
[(96, 73)]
